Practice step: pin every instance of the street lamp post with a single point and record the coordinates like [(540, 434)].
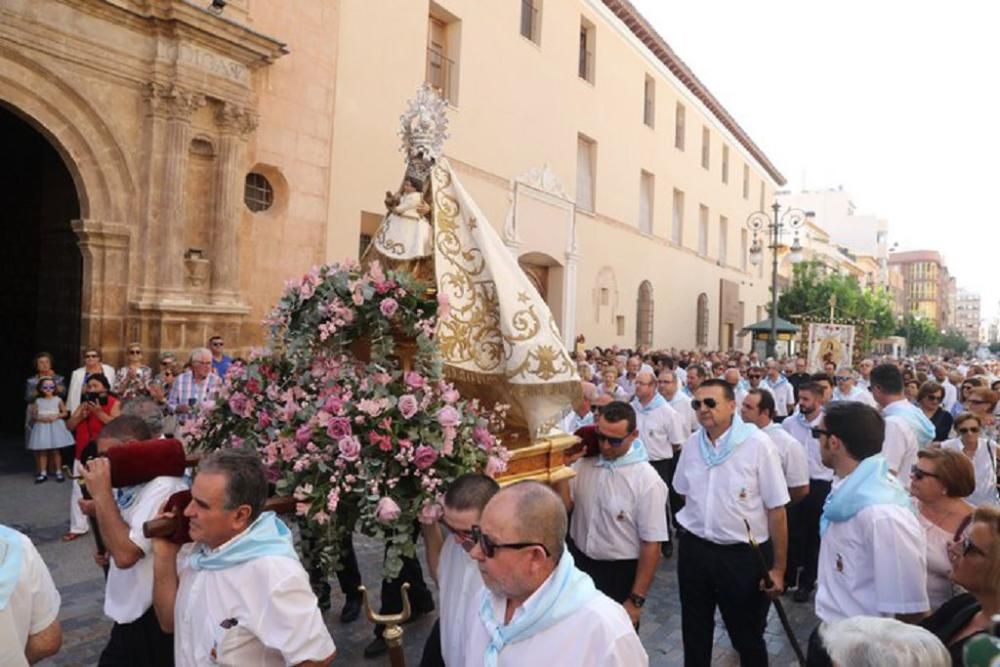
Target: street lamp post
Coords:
[(758, 221)]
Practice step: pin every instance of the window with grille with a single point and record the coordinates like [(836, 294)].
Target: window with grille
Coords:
[(587, 39), (677, 224), (706, 147), (258, 195), (644, 315), (679, 126), (649, 102), (701, 321)]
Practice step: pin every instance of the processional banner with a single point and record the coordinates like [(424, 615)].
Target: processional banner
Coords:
[(830, 342)]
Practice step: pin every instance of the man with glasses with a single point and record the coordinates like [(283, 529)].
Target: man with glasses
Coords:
[(536, 607), (454, 571), (681, 403), (659, 427), (220, 360), (864, 373), (873, 553), (846, 390), (193, 387), (803, 547), (617, 525), (758, 409), (907, 428), (730, 475)]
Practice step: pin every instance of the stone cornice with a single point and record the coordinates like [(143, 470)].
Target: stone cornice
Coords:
[(234, 119)]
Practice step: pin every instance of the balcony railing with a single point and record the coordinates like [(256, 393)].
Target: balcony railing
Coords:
[(439, 72)]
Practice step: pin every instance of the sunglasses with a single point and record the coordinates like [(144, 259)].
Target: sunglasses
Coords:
[(135, 351), (218, 344), (937, 398), (465, 537), (48, 387), (977, 401), (968, 429), (709, 403), (614, 442), (490, 547), (918, 474), (843, 378), (816, 432), (90, 355), (755, 377), (168, 373)]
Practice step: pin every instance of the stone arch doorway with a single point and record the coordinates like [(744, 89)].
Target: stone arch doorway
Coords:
[(41, 267)]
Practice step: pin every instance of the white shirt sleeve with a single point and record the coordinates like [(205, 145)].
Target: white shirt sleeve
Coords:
[(290, 622), (770, 476), (45, 598), (690, 449), (894, 447), (797, 473), (676, 428), (650, 519), (900, 566)]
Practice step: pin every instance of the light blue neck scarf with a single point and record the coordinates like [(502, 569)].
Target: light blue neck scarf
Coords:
[(734, 437), (687, 391), (915, 419), (636, 454), (267, 536), (871, 483), (126, 495), (774, 385), (579, 422), (656, 402), (772, 427), (11, 556), (565, 591)]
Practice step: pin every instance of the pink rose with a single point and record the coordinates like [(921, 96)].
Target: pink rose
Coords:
[(424, 457), (339, 428), (303, 434), (350, 448), (451, 396), (449, 416), (408, 405), (263, 420), (430, 513), (388, 307), (443, 308), (387, 511), (495, 465), (414, 380)]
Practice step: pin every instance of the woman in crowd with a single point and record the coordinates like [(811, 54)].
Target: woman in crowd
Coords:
[(43, 371), (911, 390), (929, 399), (976, 568), (97, 407), (940, 480), (78, 381), (609, 385), (982, 452), (981, 401), (133, 378), (968, 385)]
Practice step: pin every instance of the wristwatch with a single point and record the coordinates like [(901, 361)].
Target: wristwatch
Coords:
[(637, 600)]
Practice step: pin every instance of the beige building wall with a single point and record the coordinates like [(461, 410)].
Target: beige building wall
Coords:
[(519, 108)]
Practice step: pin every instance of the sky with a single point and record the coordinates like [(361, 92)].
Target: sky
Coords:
[(898, 102)]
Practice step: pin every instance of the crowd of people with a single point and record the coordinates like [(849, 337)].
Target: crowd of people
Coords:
[(868, 491)]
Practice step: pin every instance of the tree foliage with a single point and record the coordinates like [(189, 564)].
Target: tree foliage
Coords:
[(920, 334), (810, 293), (954, 340)]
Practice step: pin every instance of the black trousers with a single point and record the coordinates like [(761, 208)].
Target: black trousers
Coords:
[(728, 577), (803, 534), (665, 469), (432, 648), (816, 655), (348, 576), (140, 643), (614, 578)]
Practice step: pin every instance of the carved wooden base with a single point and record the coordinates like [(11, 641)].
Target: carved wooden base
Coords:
[(542, 460)]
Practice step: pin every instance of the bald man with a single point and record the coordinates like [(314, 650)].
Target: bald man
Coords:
[(521, 552)]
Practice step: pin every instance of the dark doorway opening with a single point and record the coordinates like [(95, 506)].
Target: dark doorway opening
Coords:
[(41, 269)]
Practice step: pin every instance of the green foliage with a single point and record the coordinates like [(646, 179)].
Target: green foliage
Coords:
[(954, 341), (810, 293), (920, 334), (994, 348)]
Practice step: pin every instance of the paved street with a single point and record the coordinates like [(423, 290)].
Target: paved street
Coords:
[(41, 512)]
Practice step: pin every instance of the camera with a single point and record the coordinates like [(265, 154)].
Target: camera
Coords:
[(96, 397)]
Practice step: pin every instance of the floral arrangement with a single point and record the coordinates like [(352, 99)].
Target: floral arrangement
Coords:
[(358, 440)]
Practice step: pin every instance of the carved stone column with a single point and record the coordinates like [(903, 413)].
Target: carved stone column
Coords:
[(235, 125), (172, 106)]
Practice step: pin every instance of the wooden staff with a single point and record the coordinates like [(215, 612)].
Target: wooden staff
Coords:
[(168, 526)]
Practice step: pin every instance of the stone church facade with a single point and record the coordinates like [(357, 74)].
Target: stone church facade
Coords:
[(168, 169)]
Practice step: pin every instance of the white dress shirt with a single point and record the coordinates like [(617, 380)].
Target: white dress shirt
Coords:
[(599, 634), (32, 607), (783, 393), (950, 395), (681, 403), (794, 463), (800, 430), (860, 396), (458, 581), (572, 421), (129, 593), (258, 613), (659, 430), (985, 467), (873, 564), (900, 448), (615, 509), (744, 486)]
